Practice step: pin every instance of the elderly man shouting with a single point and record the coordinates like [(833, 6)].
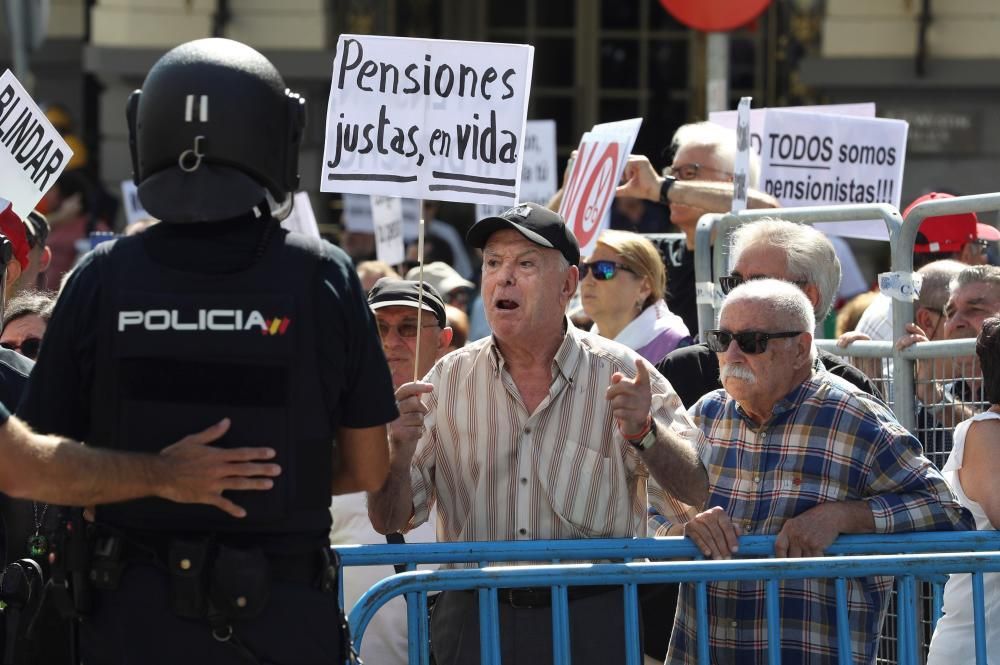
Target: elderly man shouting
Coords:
[(541, 431), (807, 456)]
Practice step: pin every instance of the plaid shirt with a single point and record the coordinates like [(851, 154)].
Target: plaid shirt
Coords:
[(825, 441)]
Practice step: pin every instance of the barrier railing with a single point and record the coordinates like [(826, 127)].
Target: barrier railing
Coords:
[(625, 550), (902, 261), (908, 567)]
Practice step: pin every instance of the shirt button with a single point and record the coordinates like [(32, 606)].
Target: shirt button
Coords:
[(756, 479), (523, 532), (734, 624), (524, 481), (527, 430)]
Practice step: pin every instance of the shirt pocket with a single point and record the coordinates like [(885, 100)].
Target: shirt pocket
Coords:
[(586, 491)]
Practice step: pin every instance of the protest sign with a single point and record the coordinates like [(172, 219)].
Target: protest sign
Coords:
[(812, 159), (358, 215), (32, 153), (302, 219), (538, 172), (427, 119), (742, 165), (387, 216), (134, 211), (597, 169), (729, 119)]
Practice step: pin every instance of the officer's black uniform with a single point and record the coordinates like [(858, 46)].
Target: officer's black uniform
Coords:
[(166, 332)]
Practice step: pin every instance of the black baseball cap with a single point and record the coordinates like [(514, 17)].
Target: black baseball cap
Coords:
[(392, 291), (536, 223)]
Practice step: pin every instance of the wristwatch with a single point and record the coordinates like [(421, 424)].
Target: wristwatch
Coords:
[(665, 186), (646, 441)]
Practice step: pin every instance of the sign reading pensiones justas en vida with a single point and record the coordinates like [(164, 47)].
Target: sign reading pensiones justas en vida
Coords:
[(427, 119), (32, 152)]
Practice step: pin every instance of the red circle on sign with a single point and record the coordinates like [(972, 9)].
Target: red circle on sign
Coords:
[(715, 15), (594, 198)]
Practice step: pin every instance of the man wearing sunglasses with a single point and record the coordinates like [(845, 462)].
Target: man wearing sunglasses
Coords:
[(804, 456), (541, 431), (776, 249)]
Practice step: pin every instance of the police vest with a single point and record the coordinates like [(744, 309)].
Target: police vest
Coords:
[(179, 351)]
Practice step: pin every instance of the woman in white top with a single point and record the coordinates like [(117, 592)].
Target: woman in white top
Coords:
[(972, 470), (622, 285)]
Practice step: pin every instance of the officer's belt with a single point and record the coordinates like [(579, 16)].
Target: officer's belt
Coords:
[(286, 567)]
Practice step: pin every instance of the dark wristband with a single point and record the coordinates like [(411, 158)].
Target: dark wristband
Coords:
[(665, 186)]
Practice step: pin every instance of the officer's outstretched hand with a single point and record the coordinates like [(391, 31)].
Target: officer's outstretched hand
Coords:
[(196, 472), (631, 399), (405, 431)]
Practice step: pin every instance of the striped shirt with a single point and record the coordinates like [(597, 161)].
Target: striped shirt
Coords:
[(497, 472), (825, 441)]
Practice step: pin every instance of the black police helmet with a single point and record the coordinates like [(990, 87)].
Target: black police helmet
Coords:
[(212, 131)]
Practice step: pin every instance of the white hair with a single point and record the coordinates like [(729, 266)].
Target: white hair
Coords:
[(809, 254), (721, 141), (784, 303)]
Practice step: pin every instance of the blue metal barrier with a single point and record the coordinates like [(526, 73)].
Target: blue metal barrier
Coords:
[(487, 580), (846, 548)]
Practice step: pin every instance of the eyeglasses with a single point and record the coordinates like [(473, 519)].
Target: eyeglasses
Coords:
[(28, 347), (602, 270), (981, 246), (749, 341), (690, 171), (730, 282), (404, 330)]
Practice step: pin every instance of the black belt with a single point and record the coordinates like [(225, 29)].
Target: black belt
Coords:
[(531, 597), (289, 568)]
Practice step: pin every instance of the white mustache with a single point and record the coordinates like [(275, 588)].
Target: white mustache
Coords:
[(740, 372)]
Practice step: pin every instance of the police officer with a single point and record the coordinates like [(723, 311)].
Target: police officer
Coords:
[(216, 312)]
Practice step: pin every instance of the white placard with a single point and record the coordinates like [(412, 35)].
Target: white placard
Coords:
[(134, 211), (813, 159), (427, 119), (597, 169), (729, 119), (387, 216), (358, 215), (538, 172), (302, 218), (904, 286), (742, 165), (32, 153)]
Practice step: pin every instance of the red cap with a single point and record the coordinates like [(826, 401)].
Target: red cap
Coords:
[(12, 227), (949, 233)]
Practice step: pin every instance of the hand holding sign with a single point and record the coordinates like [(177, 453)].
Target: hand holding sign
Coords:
[(641, 179)]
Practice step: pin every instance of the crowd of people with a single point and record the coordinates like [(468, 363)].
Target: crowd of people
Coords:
[(547, 395)]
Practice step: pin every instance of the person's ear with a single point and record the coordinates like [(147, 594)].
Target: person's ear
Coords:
[(812, 292), (570, 283), (923, 318), (803, 350), (444, 340), (44, 259)]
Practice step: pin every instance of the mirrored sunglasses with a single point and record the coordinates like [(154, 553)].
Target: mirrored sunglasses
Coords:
[(602, 270)]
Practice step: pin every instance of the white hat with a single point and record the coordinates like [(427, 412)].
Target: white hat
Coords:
[(442, 277)]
